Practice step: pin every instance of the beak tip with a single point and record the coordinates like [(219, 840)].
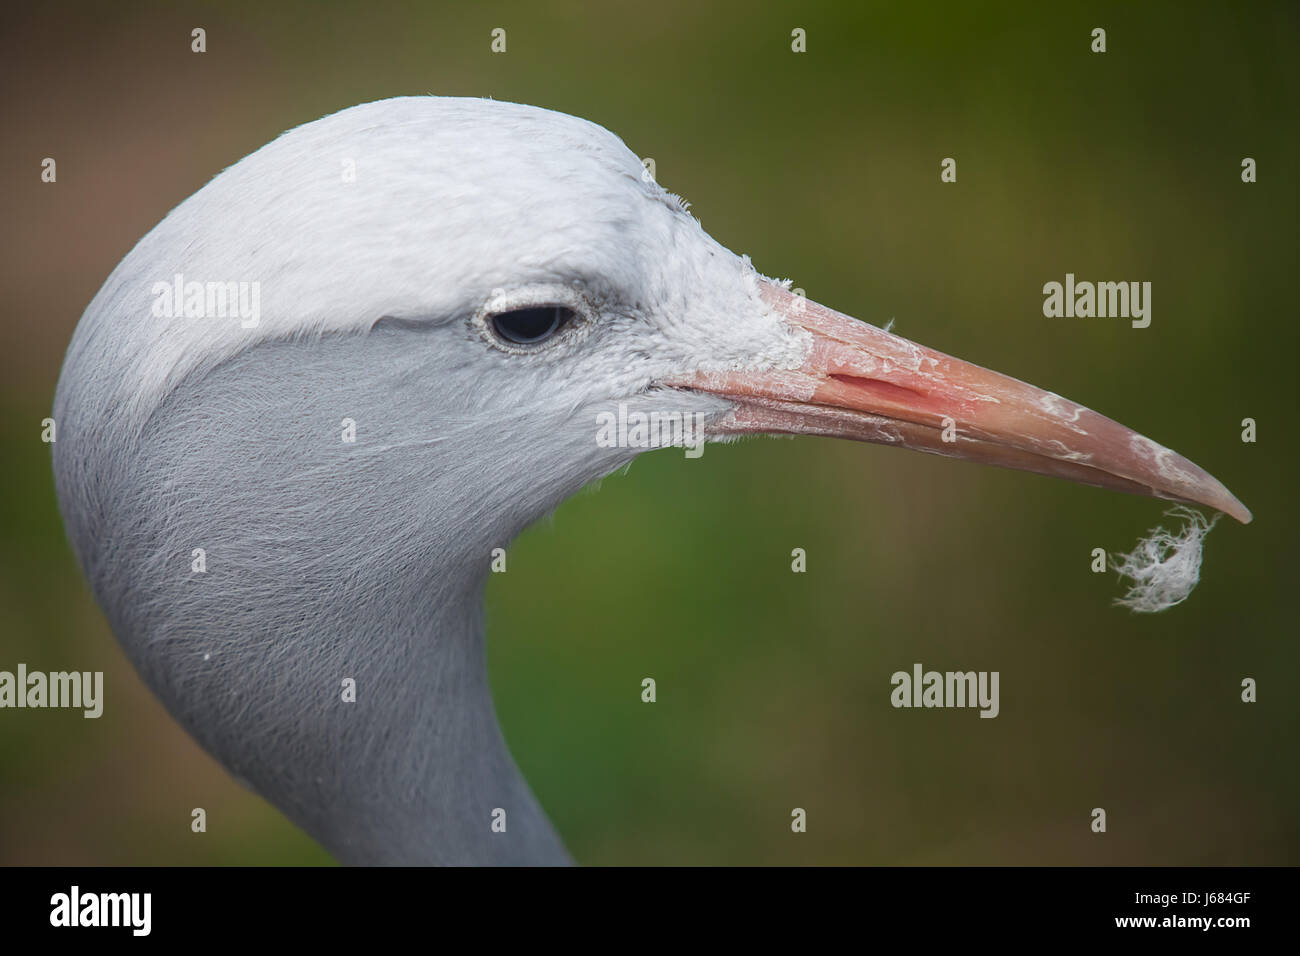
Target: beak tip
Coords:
[(1221, 499)]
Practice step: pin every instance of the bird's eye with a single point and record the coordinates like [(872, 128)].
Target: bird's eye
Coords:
[(531, 326)]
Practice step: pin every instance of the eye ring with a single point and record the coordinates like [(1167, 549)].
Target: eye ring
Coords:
[(534, 319)]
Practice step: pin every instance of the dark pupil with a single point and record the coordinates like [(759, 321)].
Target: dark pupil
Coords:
[(525, 326)]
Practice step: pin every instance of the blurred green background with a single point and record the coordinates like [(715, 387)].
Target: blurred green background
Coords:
[(773, 688)]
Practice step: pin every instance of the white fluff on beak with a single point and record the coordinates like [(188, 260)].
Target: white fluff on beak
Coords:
[(1164, 568)]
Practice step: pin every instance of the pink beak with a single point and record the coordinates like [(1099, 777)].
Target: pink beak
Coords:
[(863, 383)]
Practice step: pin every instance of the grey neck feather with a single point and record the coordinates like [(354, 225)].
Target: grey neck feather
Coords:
[(416, 771), (327, 560)]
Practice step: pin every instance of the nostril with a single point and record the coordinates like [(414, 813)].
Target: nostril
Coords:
[(874, 387)]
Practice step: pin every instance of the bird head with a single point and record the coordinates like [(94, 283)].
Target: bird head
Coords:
[(481, 288), (479, 291)]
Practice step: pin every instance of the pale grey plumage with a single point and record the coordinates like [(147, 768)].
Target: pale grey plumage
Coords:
[(328, 560)]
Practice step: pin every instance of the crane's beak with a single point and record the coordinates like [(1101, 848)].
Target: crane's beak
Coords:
[(863, 383)]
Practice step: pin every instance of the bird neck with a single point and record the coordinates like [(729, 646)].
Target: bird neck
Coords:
[(330, 649), (416, 770)]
